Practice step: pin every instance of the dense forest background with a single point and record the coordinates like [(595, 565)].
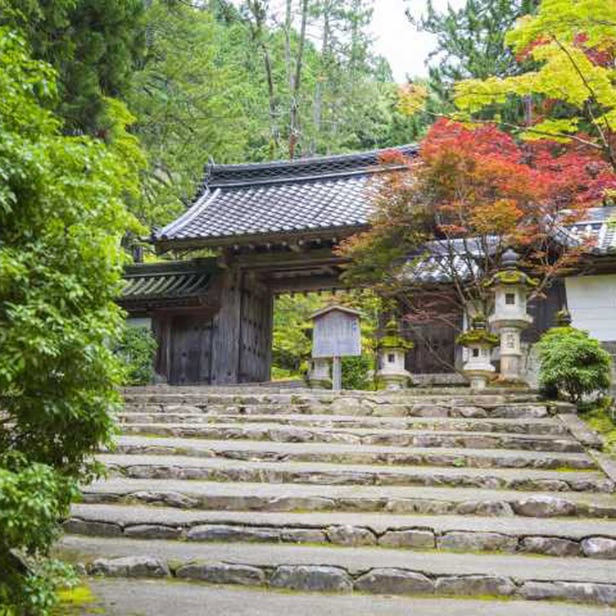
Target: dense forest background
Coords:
[(170, 85), (174, 84)]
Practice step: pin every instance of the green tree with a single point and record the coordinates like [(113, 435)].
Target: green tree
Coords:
[(572, 43), (188, 105), (92, 45), (61, 219)]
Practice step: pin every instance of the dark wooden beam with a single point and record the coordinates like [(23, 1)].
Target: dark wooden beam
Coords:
[(305, 284)]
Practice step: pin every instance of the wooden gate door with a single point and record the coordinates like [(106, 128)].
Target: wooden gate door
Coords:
[(191, 350), (434, 351)]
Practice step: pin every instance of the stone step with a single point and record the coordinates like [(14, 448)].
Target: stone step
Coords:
[(330, 569), (360, 436), (547, 425), (351, 454), (121, 597), (552, 537), (247, 496), (219, 469), (440, 407), (213, 394)]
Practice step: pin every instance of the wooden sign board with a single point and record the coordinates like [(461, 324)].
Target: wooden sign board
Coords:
[(336, 333)]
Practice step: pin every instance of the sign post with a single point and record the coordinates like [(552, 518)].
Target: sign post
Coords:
[(336, 334)]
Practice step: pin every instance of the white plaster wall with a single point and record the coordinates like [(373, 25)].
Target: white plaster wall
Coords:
[(592, 303)]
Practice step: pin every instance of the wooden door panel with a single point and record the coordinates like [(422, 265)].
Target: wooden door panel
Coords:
[(191, 338)]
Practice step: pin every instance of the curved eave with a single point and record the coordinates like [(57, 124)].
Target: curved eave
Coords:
[(260, 239)]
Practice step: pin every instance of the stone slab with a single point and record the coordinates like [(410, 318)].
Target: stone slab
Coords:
[(336, 451), (210, 489), (127, 597), (220, 469), (536, 425), (132, 515), (356, 561)]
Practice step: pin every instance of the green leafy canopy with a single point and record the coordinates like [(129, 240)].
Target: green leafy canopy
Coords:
[(62, 215)]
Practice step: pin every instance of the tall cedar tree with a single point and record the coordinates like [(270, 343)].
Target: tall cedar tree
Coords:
[(92, 45)]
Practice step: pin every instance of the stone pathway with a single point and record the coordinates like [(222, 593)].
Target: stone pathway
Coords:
[(426, 493)]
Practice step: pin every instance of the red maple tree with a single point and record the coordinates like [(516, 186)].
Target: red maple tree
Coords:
[(475, 191)]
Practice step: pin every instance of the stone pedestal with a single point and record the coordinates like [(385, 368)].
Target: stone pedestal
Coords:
[(392, 348), (391, 373), (479, 342), (319, 375), (478, 368)]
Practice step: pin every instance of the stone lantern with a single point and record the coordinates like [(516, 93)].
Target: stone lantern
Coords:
[(479, 342), (511, 288), (392, 349), (319, 374)]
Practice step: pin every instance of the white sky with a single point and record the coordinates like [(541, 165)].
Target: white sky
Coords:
[(396, 38)]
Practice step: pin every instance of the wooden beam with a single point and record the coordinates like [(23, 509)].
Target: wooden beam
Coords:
[(306, 284)]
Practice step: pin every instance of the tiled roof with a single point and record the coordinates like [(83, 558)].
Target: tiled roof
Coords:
[(441, 258), (599, 225), (167, 282), (279, 198)]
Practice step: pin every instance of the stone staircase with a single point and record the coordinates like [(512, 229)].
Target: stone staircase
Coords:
[(426, 493)]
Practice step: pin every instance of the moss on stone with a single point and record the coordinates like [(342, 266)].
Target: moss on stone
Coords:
[(477, 336), (511, 277)]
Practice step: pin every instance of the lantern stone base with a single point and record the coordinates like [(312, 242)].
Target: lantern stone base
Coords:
[(479, 379), (392, 380), (319, 376)]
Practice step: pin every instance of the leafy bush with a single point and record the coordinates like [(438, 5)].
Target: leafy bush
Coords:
[(573, 363), (62, 217), (355, 372), (137, 350)]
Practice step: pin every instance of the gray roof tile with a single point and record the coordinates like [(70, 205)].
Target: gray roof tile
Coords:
[(237, 201)]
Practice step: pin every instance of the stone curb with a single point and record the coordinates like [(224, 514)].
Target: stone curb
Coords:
[(325, 578), (421, 538), (341, 476), (580, 431), (527, 506)]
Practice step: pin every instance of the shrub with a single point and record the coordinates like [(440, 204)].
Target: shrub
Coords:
[(62, 218), (137, 349), (573, 363), (355, 372)]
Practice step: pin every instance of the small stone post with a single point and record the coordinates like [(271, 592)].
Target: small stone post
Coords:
[(319, 375), (511, 288), (392, 348), (479, 342)]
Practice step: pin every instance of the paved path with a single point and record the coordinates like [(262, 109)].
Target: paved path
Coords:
[(153, 598)]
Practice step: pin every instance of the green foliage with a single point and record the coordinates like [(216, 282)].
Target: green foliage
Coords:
[(188, 104), (355, 372), (571, 43), (292, 340), (471, 39), (137, 349), (61, 220), (92, 45), (573, 363)]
